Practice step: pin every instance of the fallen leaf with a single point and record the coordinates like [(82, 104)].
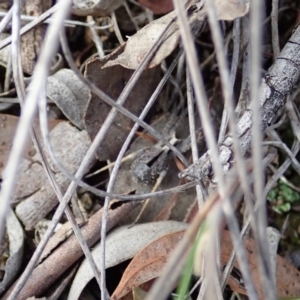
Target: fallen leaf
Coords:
[(8, 124), (138, 45), (287, 285), (149, 262), (59, 236), (69, 94), (122, 244), (64, 256), (33, 188), (112, 81), (16, 243), (158, 7)]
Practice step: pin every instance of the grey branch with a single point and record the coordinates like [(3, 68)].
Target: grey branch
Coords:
[(276, 85)]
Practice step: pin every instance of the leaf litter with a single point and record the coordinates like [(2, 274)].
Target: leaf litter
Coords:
[(97, 110), (69, 94), (149, 263), (35, 195), (88, 113), (9, 124), (123, 244)]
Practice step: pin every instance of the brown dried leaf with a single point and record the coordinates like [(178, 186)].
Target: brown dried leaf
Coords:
[(64, 256), (122, 244), (139, 44), (158, 6), (112, 81), (148, 264), (8, 126), (287, 285)]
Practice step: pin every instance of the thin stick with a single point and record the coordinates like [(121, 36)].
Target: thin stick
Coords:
[(243, 102), (227, 87), (200, 189), (284, 147), (274, 27), (122, 153), (135, 24), (96, 37), (116, 28), (202, 106), (68, 212), (6, 19), (157, 184), (37, 86), (176, 262), (101, 134), (208, 131), (268, 283), (20, 87), (234, 66), (271, 182), (70, 23)]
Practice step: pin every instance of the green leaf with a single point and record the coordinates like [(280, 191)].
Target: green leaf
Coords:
[(283, 208), (186, 277), (272, 195)]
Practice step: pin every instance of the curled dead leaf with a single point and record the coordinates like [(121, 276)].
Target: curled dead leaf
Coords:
[(122, 244), (15, 245), (158, 6), (69, 94), (230, 9), (139, 44), (112, 81), (149, 262)]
